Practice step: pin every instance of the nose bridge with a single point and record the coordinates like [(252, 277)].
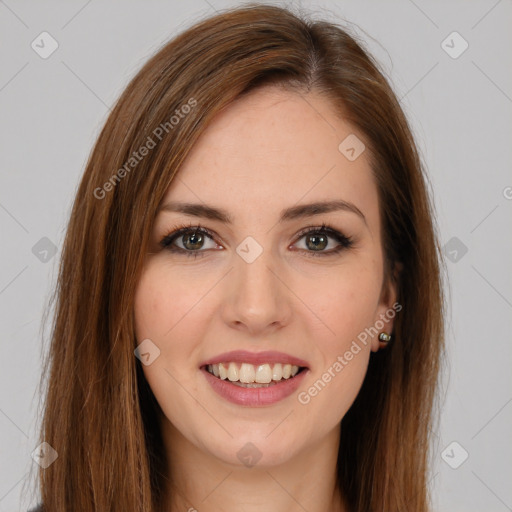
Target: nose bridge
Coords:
[(253, 271), (258, 297)]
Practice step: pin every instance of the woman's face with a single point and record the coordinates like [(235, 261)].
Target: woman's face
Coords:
[(261, 286)]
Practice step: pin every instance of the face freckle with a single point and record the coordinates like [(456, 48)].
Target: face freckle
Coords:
[(269, 151)]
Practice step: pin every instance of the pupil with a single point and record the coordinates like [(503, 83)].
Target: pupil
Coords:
[(319, 241)]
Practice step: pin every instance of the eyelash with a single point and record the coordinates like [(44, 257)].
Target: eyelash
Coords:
[(177, 231)]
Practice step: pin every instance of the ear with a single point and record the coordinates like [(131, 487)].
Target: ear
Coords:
[(388, 307)]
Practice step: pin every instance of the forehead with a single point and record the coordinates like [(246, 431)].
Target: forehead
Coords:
[(275, 148)]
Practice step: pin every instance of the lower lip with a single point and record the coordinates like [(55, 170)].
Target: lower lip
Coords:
[(254, 397)]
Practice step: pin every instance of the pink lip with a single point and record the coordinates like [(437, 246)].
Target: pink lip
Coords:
[(254, 397), (256, 358)]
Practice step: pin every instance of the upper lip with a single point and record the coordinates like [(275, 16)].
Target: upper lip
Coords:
[(255, 358)]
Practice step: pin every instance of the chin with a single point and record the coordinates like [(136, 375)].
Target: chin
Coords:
[(255, 451)]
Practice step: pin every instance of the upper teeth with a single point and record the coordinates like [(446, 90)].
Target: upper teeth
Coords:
[(247, 373)]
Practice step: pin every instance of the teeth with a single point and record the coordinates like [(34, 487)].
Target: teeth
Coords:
[(233, 372), (277, 372), (263, 374), (248, 373)]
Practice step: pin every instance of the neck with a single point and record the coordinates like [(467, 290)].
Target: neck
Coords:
[(199, 481)]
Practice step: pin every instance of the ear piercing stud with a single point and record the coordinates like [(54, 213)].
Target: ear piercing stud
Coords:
[(384, 339)]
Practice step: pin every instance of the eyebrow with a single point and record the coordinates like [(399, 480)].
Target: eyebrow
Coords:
[(286, 215)]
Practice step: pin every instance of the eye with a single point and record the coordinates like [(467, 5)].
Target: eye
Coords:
[(191, 238), (317, 239), (193, 241)]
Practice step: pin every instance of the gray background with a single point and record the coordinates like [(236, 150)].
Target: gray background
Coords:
[(460, 109)]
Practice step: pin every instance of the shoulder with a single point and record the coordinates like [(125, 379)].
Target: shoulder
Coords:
[(39, 508)]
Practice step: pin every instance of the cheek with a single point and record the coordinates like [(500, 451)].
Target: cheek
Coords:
[(149, 304), (165, 315), (338, 386), (162, 302), (169, 312), (346, 304)]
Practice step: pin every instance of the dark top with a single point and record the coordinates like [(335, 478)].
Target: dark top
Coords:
[(39, 508)]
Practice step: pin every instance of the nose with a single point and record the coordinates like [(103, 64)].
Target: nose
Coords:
[(257, 298)]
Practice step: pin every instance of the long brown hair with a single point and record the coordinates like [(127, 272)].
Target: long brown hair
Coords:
[(100, 415)]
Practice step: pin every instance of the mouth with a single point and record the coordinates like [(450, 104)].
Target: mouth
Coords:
[(248, 375), (254, 379)]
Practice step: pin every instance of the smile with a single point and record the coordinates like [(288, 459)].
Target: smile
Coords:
[(254, 379), (253, 376)]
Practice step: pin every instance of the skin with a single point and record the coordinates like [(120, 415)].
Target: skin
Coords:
[(269, 150)]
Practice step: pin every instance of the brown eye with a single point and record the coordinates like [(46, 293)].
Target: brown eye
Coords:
[(316, 241), (193, 240)]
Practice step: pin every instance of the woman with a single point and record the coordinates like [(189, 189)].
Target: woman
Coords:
[(249, 309)]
